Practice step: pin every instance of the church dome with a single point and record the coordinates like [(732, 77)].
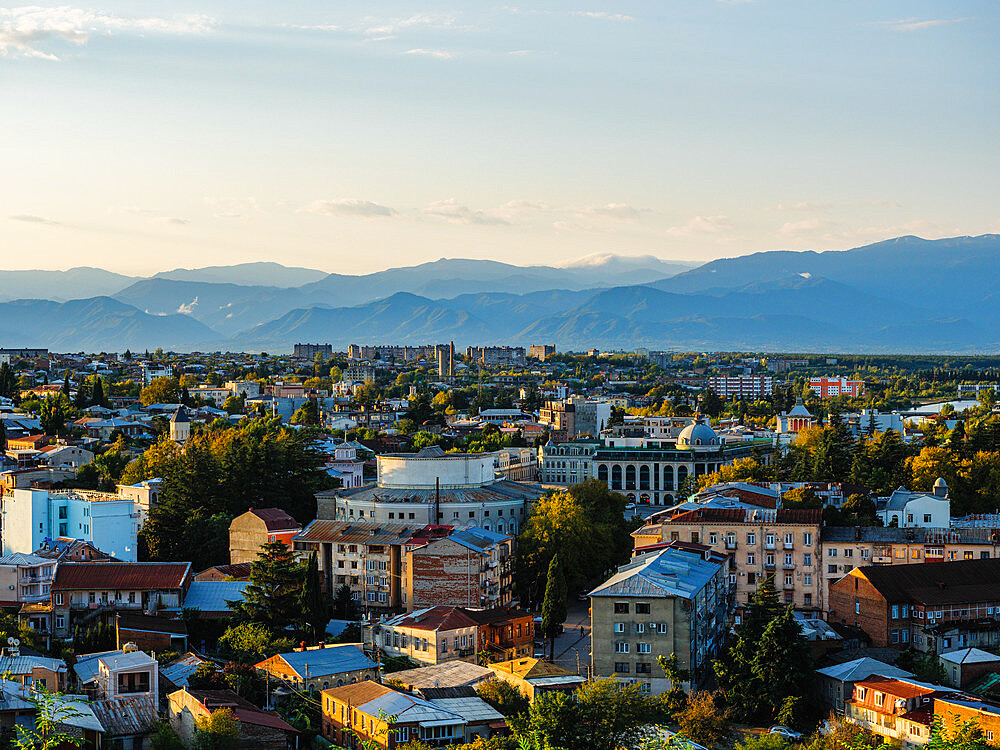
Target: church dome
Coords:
[(697, 434)]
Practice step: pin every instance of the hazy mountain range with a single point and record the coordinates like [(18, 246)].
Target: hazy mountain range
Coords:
[(901, 295)]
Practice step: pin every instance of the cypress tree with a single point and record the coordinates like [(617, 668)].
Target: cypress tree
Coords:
[(97, 396), (65, 385), (312, 605), (554, 603)]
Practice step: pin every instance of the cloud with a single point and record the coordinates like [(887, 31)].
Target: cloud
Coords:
[(234, 208), (24, 30), (438, 53), (619, 211), (451, 211), (701, 225), (602, 15), (188, 309), (347, 207), (378, 29), (316, 27), (805, 206), (912, 24), (806, 226), (32, 219)]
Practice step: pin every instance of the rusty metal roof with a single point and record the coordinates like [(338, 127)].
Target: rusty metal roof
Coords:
[(126, 716), (120, 576), (356, 532)]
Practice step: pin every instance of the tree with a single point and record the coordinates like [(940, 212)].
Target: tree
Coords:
[(273, 594), (702, 721), (764, 742), (781, 666), (554, 604), (504, 697), (97, 397), (251, 642), (165, 390), (52, 711), (53, 413), (163, 737), (65, 385), (343, 604), (218, 731), (675, 700), (8, 381), (966, 735), (711, 402), (307, 414), (3, 436), (312, 604)]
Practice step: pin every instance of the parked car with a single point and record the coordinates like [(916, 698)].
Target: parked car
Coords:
[(785, 732)]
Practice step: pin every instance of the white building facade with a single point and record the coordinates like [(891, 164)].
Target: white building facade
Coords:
[(109, 522)]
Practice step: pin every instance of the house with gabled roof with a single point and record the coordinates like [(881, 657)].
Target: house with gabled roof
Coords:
[(256, 527)]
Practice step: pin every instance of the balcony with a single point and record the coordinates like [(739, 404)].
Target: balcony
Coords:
[(788, 545), (788, 585), (731, 544), (769, 566), (788, 566), (881, 559), (769, 545)]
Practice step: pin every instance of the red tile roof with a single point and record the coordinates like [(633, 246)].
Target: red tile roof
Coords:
[(121, 576), (244, 711), (441, 617)]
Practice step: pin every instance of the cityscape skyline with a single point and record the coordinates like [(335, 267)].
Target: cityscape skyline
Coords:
[(362, 137)]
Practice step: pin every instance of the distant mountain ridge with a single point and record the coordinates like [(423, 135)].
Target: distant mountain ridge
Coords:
[(902, 295)]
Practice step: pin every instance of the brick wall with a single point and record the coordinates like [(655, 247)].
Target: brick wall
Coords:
[(872, 612), (442, 572)]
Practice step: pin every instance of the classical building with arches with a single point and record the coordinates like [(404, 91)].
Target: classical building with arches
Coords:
[(645, 470)]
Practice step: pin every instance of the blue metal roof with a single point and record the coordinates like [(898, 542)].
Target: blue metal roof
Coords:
[(347, 657)]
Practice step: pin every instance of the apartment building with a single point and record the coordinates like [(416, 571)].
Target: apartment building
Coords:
[(674, 600), (493, 356), (848, 547), (742, 386), (541, 351), (781, 544), (575, 417), (893, 708), (367, 557), (309, 351), (32, 516), (83, 589), (567, 463), (470, 567), (828, 387), (928, 606), (25, 579), (431, 635)]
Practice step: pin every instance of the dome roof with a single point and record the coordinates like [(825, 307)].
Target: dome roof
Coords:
[(696, 434), (941, 483)]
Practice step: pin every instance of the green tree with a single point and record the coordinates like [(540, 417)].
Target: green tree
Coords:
[(554, 604), (53, 414), (52, 711), (250, 642), (307, 414), (505, 698), (343, 604), (97, 397), (165, 390), (966, 735), (703, 721), (312, 604), (711, 402), (764, 742), (273, 594), (675, 699), (163, 737), (218, 731), (781, 667), (8, 381)]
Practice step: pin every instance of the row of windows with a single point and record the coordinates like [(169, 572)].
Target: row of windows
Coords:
[(641, 667), (641, 627), (622, 647)]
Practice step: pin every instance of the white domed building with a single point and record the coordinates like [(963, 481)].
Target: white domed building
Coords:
[(434, 487), (654, 472)]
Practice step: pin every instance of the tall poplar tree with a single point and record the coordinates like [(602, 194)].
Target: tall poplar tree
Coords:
[(554, 604)]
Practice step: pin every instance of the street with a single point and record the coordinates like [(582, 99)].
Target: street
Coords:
[(572, 650)]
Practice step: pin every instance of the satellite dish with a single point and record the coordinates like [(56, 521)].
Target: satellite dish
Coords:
[(10, 641)]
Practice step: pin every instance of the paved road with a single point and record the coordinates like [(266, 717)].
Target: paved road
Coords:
[(572, 650)]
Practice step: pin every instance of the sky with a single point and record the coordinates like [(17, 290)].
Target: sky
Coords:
[(354, 136)]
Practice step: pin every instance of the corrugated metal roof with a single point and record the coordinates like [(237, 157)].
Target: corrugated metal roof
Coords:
[(122, 717), (181, 668), (669, 572), (500, 491), (446, 674), (120, 576), (471, 709), (211, 596), (23, 664), (346, 657), (356, 533)]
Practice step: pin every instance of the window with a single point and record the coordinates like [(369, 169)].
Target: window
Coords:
[(60, 622), (879, 699), (642, 608), (621, 608), (831, 552), (807, 579), (751, 538), (663, 627), (848, 552), (643, 668), (713, 538), (788, 558), (788, 580), (640, 627), (59, 600), (133, 682), (621, 647), (751, 559), (927, 517), (895, 611), (621, 667), (619, 627), (968, 555), (894, 636), (831, 568), (807, 539), (751, 578), (642, 648), (857, 607)]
